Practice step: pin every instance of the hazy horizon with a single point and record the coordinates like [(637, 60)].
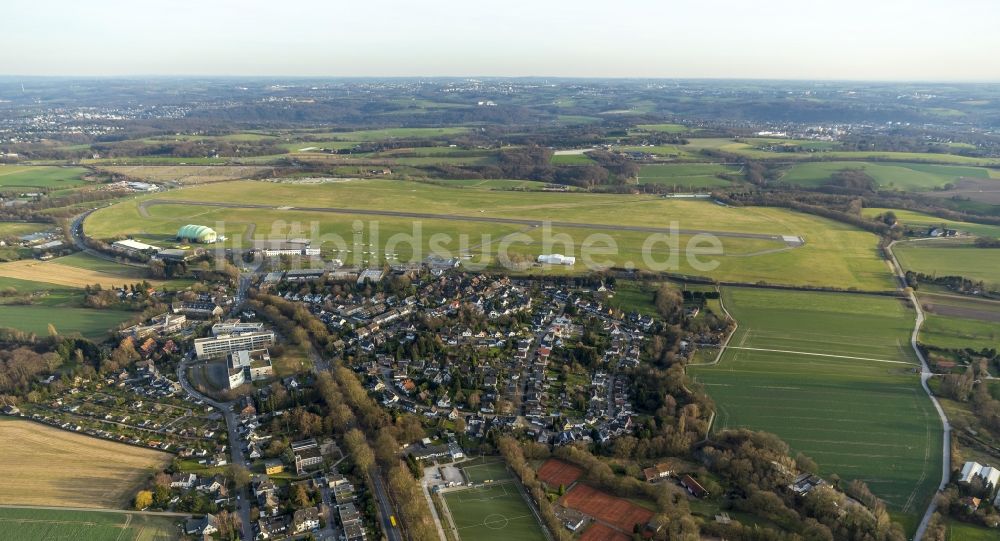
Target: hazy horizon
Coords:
[(850, 40)]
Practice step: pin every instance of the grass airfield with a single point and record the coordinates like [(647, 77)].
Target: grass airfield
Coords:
[(834, 254)]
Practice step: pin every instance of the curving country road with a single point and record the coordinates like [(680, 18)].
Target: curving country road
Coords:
[(925, 375), (463, 218), (76, 231)]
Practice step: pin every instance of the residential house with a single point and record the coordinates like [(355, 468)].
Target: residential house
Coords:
[(273, 466), (205, 525), (656, 472), (305, 519), (693, 487), (273, 527)]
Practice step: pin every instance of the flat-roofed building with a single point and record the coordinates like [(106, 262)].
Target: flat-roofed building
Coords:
[(276, 248), (233, 326), (161, 325), (178, 254), (307, 455), (247, 366), (222, 345), (133, 247)]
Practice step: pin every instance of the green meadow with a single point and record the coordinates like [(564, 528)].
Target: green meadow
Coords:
[(835, 377), (902, 176), (89, 322), (958, 322), (949, 258), (952, 332), (59, 305), (17, 229), (693, 175), (960, 531), (919, 219), (572, 159), (754, 148), (39, 524), (28, 176)]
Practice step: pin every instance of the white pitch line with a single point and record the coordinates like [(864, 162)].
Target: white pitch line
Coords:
[(822, 355)]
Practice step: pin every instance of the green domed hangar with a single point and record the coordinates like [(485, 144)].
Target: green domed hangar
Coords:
[(197, 233)]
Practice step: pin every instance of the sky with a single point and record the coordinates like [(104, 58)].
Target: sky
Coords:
[(926, 40)]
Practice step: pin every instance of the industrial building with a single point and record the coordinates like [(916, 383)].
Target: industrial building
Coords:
[(133, 247)]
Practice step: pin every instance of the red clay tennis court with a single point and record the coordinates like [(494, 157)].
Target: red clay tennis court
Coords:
[(555, 472), (620, 513), (602, 532)]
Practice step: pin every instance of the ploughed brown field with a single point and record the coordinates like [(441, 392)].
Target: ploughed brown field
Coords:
[(47, 466), (64, 275), (983, 190)]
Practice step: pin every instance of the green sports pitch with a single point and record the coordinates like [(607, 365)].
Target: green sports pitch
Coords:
[(481, 470), (835, 377), (492, 512)]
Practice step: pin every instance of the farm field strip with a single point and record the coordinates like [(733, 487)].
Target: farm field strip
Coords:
[(187, 174), (66, 275), (696, 175), (90, 323), (909, 176), (47, 466), (959, 322), (912, 218), (948, 258), (821, 355), (99, 525), (860, 418)]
